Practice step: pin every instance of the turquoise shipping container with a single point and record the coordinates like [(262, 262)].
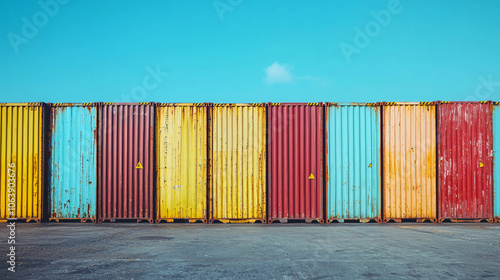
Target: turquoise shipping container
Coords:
[(496, 161), (73, 161), (353, 136)]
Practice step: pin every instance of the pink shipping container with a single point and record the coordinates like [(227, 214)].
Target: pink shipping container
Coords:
[(295, 161), (465, 155), (126, 166)]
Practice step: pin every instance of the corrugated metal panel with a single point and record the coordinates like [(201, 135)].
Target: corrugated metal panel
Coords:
[(73, 162), (409, 161), (181, 158), (295, 153), (238, 167), (353, 162), (465, 166), (22, 136), (126, 161), (496, 161)]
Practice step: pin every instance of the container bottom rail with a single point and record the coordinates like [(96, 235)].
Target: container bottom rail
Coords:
[(285, 220), (478, 220), (416, 220), (239, 221), (113, 220), (366, 220), (191, 221), (82, 220)]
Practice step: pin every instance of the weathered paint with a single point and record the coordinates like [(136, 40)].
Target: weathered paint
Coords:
[(238, 167), (22, 141), (73, 162), (496, 162), (295, 167), (353, 162), (181, 162), (126, 161), (409, 161), (465, 165)]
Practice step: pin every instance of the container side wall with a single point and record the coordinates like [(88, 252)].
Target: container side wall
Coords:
[(465, 147), (238, 163), (295, 169), (21, 133), (127, 133), (181, 162), (73, 162), (409, 161), (496, 166), (353, 153)]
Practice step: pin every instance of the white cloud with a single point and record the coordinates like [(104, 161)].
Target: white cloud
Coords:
[(278, 74)]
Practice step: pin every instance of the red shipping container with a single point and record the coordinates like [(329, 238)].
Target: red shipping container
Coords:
[(465, 161), (295, 167), (126, 143)]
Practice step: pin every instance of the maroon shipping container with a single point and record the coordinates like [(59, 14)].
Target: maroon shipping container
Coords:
[(465, 161), (295, 162), (126, 144)]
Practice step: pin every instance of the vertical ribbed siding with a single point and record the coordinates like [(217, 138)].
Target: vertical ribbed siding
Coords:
[(353, 153), (21, 129), (295, 150), (238, 162), (409, 160), (127, 135), (465, 150), (181, 162), (496, 162), (73, 162)]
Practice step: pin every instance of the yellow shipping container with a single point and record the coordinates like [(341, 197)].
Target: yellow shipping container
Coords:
[(181, 147), (409, 160), (21, 160), (238, 163)]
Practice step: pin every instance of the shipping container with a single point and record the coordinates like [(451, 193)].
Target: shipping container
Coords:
[(125, 164), (353, 137), (181, 162), (465, 161), (22, 134), (73, 161), (496, 161), (409, 161), (238, 162), (295, 162)]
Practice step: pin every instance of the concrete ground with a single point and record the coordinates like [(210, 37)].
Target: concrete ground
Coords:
[(244, 251)]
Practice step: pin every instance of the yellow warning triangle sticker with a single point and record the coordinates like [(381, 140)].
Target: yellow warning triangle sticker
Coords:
[(311, 177), (138, 166), (481, 164), (370, 165)]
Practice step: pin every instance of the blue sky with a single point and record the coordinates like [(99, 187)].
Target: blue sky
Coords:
[(249, 51)]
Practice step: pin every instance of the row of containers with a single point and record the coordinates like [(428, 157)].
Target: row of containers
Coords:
[(250, 162)]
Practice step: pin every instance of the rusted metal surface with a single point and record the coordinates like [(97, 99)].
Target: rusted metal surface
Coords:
[(465, 160), (353, 137), (181, 162), (73, 161), (496, 161), (22, 127), (295, 162), (126, 161), (409, 161), (238, 162)]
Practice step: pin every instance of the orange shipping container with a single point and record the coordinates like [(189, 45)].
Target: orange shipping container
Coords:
[(409, 161)]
